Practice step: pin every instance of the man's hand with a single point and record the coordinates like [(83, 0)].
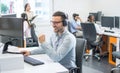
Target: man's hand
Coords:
[(42, 38), (25, 52), (78, 18)]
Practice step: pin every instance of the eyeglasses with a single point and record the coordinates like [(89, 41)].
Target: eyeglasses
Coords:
[(55, 22)]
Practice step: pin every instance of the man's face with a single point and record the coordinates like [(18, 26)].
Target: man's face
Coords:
[(77, 17), (57, 24)]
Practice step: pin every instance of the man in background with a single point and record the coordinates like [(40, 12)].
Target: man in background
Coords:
[(76, 26)]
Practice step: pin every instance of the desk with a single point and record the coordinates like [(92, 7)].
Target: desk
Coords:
[(112, 38), (48, 67)]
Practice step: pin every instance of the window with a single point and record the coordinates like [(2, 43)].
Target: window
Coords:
[(39, 7), (38, 4)]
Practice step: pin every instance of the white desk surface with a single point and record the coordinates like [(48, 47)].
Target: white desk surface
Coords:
[(115, 34), (48, 67), (112, 34)]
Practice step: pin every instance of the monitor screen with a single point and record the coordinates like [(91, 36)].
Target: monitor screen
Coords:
[(95, 16), (107, 21), (11, 30), (99, 15), (117, 22)]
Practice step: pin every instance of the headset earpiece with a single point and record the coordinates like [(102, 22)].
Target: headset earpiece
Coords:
[(65, 22)]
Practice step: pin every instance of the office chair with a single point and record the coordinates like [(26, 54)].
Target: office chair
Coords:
[(89, 33), (80, 48), (116, 54), (69, 26), (33, 40), (34, 36)]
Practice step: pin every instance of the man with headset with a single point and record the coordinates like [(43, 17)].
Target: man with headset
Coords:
[(61, 47), (75, 26)]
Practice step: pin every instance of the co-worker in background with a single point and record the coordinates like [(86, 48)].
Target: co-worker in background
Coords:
[(61, 47), (99, 31), (91, 19), (75, 26), (29, 13)]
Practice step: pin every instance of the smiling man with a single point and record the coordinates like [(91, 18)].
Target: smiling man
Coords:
[(61, 47)]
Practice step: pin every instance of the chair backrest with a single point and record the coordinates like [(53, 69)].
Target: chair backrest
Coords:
[(80, 48), (89, 31), (34, 36), (69, 26)]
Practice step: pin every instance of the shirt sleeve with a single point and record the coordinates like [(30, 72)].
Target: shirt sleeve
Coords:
[(37, 51), (62, 49), (73, 24)]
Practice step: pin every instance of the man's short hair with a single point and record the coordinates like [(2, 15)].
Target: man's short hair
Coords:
[(74, 15), (59, 13)]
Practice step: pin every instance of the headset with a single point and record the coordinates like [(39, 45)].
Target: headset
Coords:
[(64, 17)]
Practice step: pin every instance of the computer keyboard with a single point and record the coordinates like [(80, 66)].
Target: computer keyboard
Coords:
[(109, 31), (32, 61)]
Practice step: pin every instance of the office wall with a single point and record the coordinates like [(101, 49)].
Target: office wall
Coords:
[(108, 7), (81, 7)]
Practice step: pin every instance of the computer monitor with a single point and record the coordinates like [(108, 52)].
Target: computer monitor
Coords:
[(107, 21), (117, 22), (11, 32), (8, 15), (95, 16), (99, 15)]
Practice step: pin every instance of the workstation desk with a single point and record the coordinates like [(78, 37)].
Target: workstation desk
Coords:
[(109, 39), (49, 65)]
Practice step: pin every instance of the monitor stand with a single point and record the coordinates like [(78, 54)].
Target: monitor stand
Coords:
[(110, 28), (5, 48)]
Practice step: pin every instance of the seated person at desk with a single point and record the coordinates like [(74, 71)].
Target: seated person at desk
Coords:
[(91, 19), (61, 47), (99, 32), (75, 26)]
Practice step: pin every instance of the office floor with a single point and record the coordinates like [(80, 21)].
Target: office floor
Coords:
[(95, 66)]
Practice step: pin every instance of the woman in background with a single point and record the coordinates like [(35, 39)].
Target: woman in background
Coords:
[(29, 13)]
